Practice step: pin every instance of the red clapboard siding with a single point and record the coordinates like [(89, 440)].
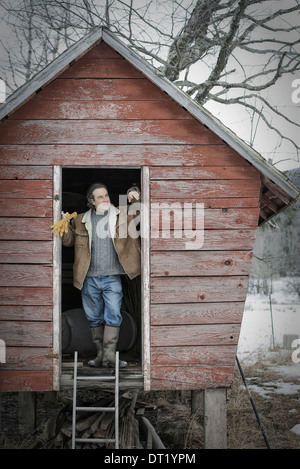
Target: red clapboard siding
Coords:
[(195, 313), (114, 155), (214, 219), (25, 275), (27, 333), (106, 89), (195, 334), (26, 313), (25, 189), (224, 202), (197, 263), (26, 229), (32, 252), (188, 377), (106, 131), (25, 280), (193, 355), (213, 240), (200, 173), (26, 296), (26, 207), (27, 358), (101, 110), (193, 188), (25, 380), (101, 68), (198, 289), (102, 51), (26, 172)]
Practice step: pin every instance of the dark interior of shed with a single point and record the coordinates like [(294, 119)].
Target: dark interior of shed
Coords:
[(75, 328)]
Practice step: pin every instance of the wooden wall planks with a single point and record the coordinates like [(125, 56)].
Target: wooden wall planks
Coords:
[(101, 111), (12, 380), (189, 377), (198, 289), (27, 333), (27, 296), (26, 277), (120, 155), (86, 89), (25, 189), (194, 334), (193, 355), (183, 189), (179, 131), (26, 252), (28, 359), (197, 295), (26, 313), (26, 172), (214, 219), (192, 313), (214, 240), (15, 207), (26, 229), (91, 67), (202, 173), (188, 263)]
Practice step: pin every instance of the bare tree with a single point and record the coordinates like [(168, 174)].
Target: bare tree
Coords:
[(32, 44), (217, 51)]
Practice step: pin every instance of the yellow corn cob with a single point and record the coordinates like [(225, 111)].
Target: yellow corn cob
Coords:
[(61, 226)]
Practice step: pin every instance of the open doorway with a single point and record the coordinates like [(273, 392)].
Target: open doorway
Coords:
[(75, 328)]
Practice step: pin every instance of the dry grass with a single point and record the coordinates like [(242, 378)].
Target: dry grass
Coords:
[(278, 413), (276, 419)]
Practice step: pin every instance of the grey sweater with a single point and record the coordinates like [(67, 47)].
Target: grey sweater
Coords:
[(104, 259)]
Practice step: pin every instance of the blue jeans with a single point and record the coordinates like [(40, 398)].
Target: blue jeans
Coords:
[(102, 300)]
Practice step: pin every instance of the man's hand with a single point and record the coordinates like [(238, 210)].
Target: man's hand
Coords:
[(133, 196)]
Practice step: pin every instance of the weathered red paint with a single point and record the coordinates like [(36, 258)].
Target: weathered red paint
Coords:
[(103, 112)]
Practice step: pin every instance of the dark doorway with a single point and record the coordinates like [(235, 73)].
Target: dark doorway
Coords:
[(75, 330)]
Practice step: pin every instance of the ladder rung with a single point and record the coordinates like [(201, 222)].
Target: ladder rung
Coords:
[(96, 409), (100, 378), (96, 440), (114, 409)]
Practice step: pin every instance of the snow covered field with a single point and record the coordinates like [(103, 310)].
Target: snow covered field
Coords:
[(262, 343), (264, 326)]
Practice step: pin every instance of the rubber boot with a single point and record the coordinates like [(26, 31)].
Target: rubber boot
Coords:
[(111, 335), (97, 336)]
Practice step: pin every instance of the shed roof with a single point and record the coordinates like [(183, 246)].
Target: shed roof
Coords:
[(278, 191)]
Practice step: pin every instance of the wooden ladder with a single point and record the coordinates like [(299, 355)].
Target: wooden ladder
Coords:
[(114, 409)]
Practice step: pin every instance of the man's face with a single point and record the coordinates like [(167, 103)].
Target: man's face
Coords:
[(101, 200)]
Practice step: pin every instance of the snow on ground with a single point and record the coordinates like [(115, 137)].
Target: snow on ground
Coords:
[(262, 339), (264, 326), (296, 429), (278, 387)]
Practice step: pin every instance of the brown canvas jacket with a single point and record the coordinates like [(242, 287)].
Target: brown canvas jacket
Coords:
[(121, 223)]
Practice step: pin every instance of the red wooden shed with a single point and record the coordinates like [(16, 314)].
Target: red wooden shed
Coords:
[(101, 112)]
